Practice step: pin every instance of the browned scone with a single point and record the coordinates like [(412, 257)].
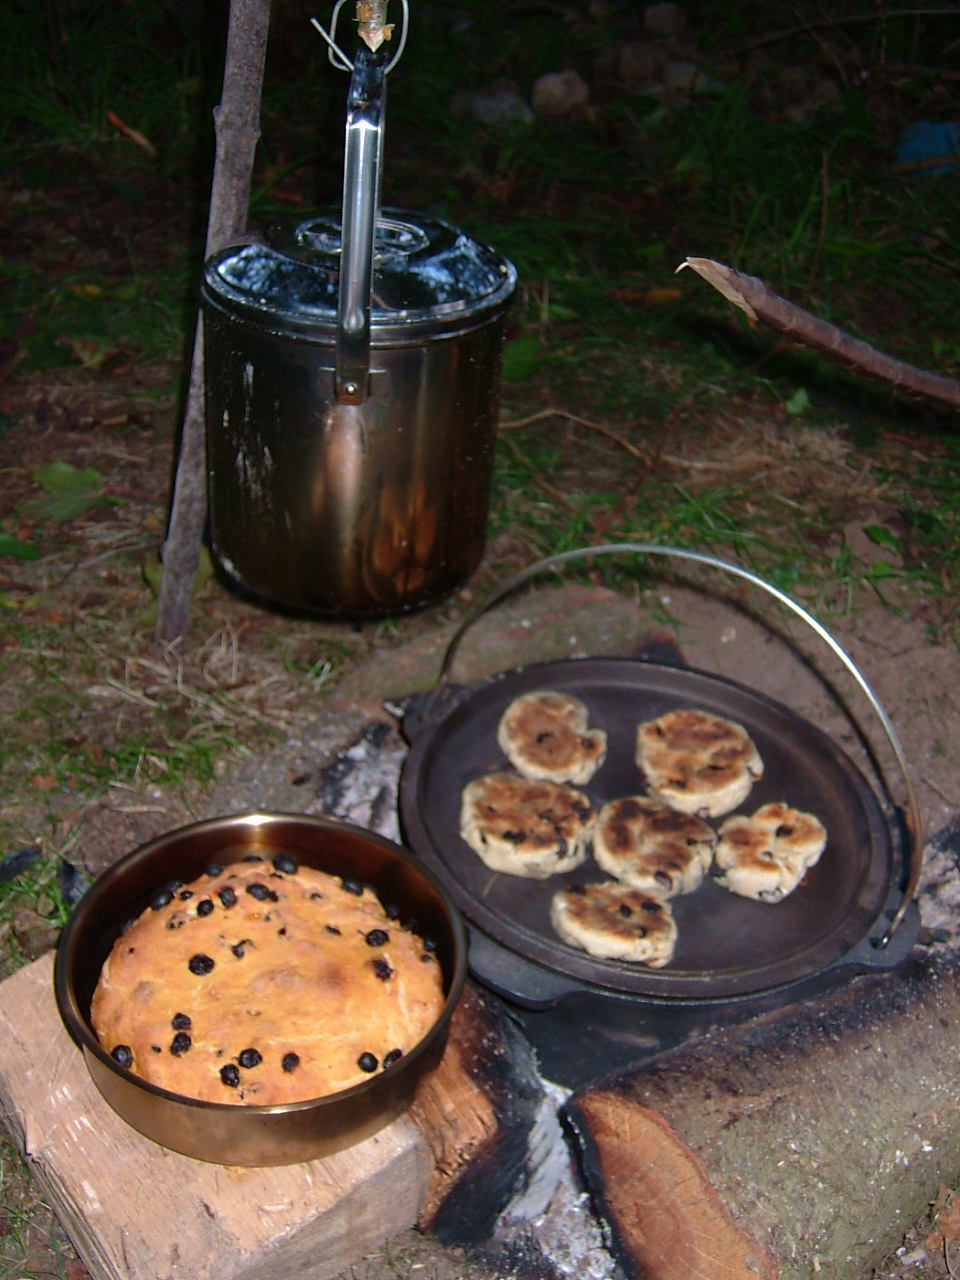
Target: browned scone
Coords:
[(526, 828), (697, 762), (650, 846), (264, 983), (615, 922), (545, 735), (767, 855)]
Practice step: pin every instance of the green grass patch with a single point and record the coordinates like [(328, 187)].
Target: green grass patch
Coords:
[(86, 319)]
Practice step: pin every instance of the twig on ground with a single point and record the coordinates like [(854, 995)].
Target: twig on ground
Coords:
[(134, 135), (539, 481), (953, 803), (760, 303), (542, 414)]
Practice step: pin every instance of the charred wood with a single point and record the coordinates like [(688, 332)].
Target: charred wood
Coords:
[(478, 1115), (815, 1136)]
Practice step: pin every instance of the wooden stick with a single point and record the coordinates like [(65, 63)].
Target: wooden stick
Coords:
[(582, 422), (760, 303), (237, 121)]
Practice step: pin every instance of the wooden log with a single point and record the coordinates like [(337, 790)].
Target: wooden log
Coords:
[(136, 1211), (818, 1136), (478, 1116), (669, 1219)]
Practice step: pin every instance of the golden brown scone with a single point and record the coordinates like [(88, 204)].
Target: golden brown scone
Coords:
[(650, 846), (545, 735), (526, 828), (697, 762), (615, 922), (264, 983), (767, 855)]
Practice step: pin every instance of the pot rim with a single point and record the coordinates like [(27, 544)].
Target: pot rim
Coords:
[(406, 329)]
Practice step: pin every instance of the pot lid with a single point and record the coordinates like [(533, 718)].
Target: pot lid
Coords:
[(426, 273)]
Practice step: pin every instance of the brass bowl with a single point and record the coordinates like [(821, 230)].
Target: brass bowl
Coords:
[(225, 1133)]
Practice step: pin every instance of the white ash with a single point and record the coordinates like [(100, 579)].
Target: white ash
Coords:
[(360, 784), (568, 1234), (939, 895), (547, 1162)]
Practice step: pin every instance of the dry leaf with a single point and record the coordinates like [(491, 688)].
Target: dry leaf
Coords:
[(947, 1225), (45, 781)]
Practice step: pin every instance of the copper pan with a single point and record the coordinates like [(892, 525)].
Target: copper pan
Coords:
[(248, 1135)]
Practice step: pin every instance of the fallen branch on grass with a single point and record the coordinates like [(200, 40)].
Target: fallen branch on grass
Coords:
[(760, 303)]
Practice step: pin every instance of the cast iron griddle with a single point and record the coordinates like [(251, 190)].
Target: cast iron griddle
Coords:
[(728, 946)]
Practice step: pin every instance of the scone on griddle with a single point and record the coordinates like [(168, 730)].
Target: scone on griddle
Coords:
[(264, 983), (646, 844), (612, 921), (767, 855), (697, 762), (526, 828), (545, 735)]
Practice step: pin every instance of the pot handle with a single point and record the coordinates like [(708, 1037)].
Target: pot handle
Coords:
[(362, 167), (914, 820)]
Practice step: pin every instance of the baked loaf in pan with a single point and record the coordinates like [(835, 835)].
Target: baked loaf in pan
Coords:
[(265, 982)]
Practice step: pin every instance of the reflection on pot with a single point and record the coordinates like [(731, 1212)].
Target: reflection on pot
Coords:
[(402, 544)]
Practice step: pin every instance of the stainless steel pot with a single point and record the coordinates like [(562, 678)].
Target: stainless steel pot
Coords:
[(352, 375)]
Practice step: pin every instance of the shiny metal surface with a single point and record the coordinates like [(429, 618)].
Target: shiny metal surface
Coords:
[(348, 510), (363, 165), (431, 280), (240, 1135)]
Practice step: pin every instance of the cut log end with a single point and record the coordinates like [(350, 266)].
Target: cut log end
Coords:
[(666, 1219)]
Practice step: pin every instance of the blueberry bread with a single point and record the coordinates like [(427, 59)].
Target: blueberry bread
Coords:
[(265, 982), (526, 828), (767, 855), (545, 735), (615, 922), (649, 846), (697, 762)]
